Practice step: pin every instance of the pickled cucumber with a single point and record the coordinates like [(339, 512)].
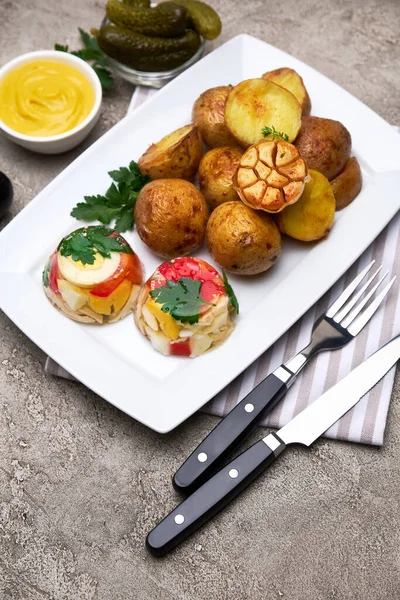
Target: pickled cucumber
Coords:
[(137, 3), (203, 17), (146, 53), (164, 20)]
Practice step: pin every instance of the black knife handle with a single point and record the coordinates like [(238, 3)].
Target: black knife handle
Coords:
[(232, 430), (211, 497)]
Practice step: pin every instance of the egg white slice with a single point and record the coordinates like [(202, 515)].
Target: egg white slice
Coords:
[(87, 276)]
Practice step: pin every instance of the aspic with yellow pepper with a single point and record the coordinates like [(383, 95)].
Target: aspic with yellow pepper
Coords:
[(94, 276), (185, 308)]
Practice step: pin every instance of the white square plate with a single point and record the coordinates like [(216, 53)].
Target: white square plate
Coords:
[(116, 361)]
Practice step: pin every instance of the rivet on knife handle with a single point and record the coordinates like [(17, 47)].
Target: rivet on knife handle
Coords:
[(213, 495), (229, 433)]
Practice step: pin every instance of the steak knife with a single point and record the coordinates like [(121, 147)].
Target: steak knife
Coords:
[(303, 429)]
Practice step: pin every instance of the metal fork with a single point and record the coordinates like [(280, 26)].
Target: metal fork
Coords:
[(343, 320)]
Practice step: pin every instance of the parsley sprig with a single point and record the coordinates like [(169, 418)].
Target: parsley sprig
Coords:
[(181, 299), (83, 244), (118, 202), (266, 131), (230, 293), (93, 54)]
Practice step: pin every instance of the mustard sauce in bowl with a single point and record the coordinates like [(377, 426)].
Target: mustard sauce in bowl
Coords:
[(45, 98)]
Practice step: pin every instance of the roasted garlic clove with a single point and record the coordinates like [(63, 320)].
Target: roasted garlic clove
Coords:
[(271, 175)]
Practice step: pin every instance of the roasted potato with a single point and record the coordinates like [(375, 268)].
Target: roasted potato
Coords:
[(270, 176), (291, 80), (209, 116), (216, 171), (242, 240), (171, 217), (324, 144), (347, 185), (311, 218), (254, 104), (177, 155)]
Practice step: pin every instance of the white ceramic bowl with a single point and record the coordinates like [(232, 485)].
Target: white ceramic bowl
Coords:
[(63, 141)]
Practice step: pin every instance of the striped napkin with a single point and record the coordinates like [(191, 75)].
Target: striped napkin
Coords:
[(365, 423)]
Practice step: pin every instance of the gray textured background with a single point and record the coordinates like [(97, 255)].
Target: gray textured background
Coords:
[(81, 483)]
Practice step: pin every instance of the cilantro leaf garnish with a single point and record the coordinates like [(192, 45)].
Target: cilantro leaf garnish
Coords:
[(230, 293), (266, 131), (82, 244), (181, 299), (118, 202), (93, 54)]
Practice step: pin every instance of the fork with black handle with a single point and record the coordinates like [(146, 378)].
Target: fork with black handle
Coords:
[(343, 320)]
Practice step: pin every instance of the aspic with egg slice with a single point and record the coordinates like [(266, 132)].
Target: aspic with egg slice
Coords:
[(185, 308), (94, 276)]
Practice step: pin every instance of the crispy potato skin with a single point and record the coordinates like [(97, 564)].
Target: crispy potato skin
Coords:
[(171, 217), (216, 171), (324, 144), (209, 115), (176, 155), (242, 240), (312, 217), (347, 185), (291, 80), (256, 103)]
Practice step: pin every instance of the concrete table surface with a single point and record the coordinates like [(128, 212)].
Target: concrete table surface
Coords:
[(81, 483)]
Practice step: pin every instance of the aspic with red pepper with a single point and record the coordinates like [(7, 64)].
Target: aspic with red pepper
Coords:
[(93, 276), (185, 308)]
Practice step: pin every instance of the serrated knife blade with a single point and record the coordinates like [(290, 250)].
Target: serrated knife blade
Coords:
[(314, 420)]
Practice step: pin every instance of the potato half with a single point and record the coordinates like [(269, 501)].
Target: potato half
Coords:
[(256, 103), (312, 217), (242, 240), (291, 80), (347, 185), (171, 217), (209, 116), (177, 155), (216, 171), (324, 144)]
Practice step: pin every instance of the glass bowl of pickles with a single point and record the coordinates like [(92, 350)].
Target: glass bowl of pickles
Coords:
[(150, 44)]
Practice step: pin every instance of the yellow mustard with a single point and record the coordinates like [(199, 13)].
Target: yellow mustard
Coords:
[(44, 98)]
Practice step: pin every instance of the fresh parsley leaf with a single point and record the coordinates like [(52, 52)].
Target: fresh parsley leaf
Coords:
[(117, 196), (230, 293), (88, 54), (94, 55), (124, 221), (88, 40), (95, 212), (105, 241), (266, 131), (181, 299), (45, 274), (118, 202), (105, 76), (83, 244), (131, 175), (60, 48), (78, 247)]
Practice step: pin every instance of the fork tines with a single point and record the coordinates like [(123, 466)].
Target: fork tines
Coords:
[(347, 308)]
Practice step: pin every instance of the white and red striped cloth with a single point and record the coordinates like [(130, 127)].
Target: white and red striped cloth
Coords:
[(366, 422)]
